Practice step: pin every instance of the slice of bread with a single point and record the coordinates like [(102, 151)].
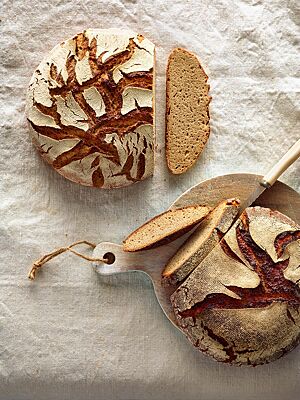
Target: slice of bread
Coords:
[(187, 113), (165, 227), (201, 242)]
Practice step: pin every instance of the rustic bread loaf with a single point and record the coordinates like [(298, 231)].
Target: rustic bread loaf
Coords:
[(201, 242), (187, 113), (165, 227), (245, 313), (90, 107)]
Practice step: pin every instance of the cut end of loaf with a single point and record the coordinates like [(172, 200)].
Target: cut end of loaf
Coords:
[(165, 227), (187, 111), (90, 107)]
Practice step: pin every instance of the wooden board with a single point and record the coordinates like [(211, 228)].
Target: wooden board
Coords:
[(280, 197)]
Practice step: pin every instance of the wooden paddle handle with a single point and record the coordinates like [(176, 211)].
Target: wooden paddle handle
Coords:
[(278, 169), (119, 261), (149, 261)]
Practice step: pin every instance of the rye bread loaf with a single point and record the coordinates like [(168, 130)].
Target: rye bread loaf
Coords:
[(165, 227), (245, 313), (90, 108), (187, 110), (201, 242)]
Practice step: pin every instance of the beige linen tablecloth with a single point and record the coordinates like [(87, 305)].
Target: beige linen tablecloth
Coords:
[(72, 334)]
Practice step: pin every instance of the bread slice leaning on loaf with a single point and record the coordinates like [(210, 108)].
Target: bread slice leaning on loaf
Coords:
[(201, 242), (187, 113), (165, 227)]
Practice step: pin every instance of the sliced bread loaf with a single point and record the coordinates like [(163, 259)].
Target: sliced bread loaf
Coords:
[(165, 227), (201, 242), (187, 114), (240, 314)]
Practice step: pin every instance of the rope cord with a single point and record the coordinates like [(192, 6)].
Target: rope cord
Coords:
[(47, 257)]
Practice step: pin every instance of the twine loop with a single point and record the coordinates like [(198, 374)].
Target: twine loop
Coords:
[(37, 265)]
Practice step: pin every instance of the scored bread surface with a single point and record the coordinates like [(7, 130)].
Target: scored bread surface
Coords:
[(201, 242), (187, 110), (166, 226), (90, 108), (243, 307)]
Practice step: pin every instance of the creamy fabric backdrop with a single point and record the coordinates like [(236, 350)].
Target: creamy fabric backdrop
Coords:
[(72, 334)]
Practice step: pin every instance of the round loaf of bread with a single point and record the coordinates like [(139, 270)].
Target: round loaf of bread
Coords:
[(241, 305), (90, 108)]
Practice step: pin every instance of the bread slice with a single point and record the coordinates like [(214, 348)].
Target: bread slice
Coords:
[(165, 227), (201, 242), (187, 114)]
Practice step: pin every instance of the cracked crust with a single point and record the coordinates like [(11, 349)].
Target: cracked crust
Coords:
[(90, 108), (221, 333), (245, 308)]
